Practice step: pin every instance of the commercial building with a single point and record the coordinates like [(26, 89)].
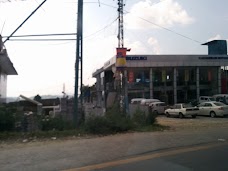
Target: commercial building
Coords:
[(6, 68), (170, 78)]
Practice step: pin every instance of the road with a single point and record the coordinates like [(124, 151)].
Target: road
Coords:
[(81, 152), (204, 157)]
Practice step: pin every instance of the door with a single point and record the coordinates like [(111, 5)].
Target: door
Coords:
[(205, 109)]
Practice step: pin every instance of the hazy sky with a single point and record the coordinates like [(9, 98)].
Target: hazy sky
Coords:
[(150, 27)]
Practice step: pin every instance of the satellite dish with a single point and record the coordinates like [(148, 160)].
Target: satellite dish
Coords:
[(114, 69)]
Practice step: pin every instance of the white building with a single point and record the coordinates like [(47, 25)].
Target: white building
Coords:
[(6, 68), (170, 78)]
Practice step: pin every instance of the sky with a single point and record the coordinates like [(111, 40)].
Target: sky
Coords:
[(150, 27)]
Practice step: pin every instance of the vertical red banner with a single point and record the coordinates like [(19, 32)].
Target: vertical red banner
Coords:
[(131, 77), (209, 76)]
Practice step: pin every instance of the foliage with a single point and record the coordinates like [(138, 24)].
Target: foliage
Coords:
[(7, 119), (97, 125), (140, 118), (57, 123), (114, 121)]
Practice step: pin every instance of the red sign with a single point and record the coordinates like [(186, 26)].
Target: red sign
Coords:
[(131, 77), (121, 57)]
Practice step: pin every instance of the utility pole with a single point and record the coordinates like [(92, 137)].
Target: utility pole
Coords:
[(120, 24), (122, 87), (78, 66)]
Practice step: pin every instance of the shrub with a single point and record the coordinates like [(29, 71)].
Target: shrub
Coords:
[(97, 125), (57, 123), (114, 121), (140, 118), (7, 119)]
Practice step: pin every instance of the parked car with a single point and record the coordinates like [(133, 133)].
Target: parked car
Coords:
[(221, 98), (206, 99), (213, 109), (148, 101), (136, 100), (182, 110), (158, 107)]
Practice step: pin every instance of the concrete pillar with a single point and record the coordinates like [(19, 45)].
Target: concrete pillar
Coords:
[(219, 80), (175, 85), (197, 83), (151, 84)]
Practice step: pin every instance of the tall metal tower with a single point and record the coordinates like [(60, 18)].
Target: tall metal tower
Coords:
[(120, 24), (122, 89), (78, 66)]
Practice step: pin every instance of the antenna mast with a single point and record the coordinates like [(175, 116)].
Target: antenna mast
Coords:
[(121, 64), (120, 24)]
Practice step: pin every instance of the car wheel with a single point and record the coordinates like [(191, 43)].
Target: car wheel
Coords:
[(212, 114), (181, 115), (167, 114)]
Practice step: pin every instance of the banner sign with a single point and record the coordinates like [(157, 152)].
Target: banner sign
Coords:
[(131, 77), (121, 58), (209, 76)]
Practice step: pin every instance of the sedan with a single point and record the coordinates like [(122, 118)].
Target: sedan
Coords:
[(213, 109)]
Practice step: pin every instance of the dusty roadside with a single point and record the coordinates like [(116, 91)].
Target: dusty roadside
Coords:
[(59, 154)]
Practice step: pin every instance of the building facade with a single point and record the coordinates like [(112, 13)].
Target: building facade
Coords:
[(169, 78), (6, 68)]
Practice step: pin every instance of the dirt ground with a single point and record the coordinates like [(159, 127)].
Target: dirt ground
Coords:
[(199, 122), (175, 124), (75, 151)]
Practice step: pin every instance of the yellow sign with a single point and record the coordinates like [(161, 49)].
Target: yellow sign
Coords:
[(121, 57)]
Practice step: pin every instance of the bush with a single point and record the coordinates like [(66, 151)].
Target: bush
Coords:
[(7, 119), (57, 123), (140, 118), (114, 121), (97, 125)]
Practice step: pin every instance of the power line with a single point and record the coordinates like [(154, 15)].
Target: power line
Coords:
[(37, 35), (41, 39), (24, 21), (102, 28), (179, 34), (170, 30)]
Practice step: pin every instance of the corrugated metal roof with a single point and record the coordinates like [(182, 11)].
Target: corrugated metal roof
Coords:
[(5, 64)]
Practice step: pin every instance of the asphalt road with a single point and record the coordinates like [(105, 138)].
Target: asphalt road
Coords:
[(207, 157), (82, 152)]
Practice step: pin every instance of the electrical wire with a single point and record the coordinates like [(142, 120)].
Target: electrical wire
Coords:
[(37, 35), (170, 30), (179, 34), (102, 28), (41, 39)]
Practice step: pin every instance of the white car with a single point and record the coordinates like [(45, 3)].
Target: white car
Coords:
[(182, 110), (158, 107), (206, 99), (213, 109), (146, 102), (136, 100)]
